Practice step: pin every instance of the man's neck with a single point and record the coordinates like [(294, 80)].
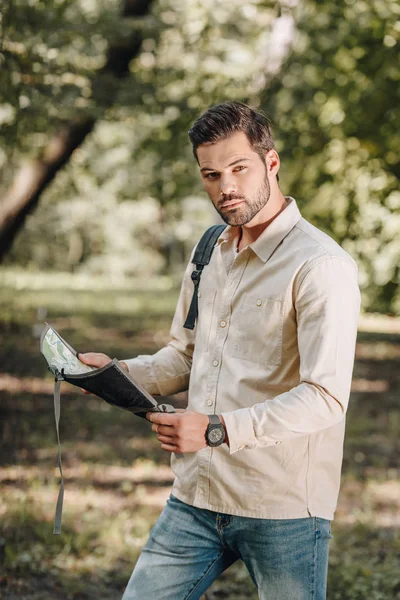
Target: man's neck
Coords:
[(251, 231)]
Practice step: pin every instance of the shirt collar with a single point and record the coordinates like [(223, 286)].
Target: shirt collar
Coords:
[(272, 236)]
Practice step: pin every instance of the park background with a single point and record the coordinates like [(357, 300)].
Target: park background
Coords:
[(100, 205)]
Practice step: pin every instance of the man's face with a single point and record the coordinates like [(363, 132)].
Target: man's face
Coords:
[(235, 178)]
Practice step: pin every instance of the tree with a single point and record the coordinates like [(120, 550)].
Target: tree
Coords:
[(34, 177), (327, 74), (192, 55), (336, 105)]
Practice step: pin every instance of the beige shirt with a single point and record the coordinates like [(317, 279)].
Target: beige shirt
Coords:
[(273, 351)]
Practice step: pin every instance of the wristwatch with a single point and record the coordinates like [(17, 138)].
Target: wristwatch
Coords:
[(215, 432)]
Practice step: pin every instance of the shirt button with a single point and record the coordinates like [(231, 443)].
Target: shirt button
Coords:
[(215, 363), (209, 402), (278, 442), (259, 302), (223, 323)]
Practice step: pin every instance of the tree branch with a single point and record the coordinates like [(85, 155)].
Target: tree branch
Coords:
[(34, 177)]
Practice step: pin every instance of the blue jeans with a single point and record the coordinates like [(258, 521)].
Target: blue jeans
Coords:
[(189, 548)]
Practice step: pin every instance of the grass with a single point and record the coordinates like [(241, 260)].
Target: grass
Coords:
[(117, 478)]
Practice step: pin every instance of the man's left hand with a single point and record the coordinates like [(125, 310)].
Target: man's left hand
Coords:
[(181, 431)]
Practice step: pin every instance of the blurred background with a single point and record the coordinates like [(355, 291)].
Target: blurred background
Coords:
[(100, 205)]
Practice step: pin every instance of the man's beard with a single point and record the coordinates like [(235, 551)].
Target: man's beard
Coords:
[(246, 211)]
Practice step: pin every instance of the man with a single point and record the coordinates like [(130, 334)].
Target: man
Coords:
[(272, 356)]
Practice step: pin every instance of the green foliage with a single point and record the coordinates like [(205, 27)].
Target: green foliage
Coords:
[(367, 566), (336, 107), (128, 202), (49, 54), (326, 72)]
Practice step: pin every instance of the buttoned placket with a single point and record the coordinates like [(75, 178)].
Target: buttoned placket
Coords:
[(290, 268), (234, 276)]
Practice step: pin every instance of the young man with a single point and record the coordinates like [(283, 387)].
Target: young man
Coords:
[(272, 356)]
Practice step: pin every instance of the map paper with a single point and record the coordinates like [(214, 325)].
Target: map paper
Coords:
[(60, 355)]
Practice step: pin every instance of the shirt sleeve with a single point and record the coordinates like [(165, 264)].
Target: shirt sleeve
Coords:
[(327, 305), (168, 370)]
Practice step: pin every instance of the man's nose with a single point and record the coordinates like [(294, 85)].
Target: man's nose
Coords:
[(227, 186)]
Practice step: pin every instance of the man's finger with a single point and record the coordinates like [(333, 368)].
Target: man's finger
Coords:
[(94, 359), (162, 418), (169, 447), (166, 439), (163, 429)]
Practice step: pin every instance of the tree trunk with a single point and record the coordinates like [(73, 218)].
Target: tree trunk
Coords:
[(34, 177)]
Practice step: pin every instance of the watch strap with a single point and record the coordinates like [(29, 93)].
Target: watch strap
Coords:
[(214, 420), (215, 425)]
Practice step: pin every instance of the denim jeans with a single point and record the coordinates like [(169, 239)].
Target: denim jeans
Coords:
[(189, 548)]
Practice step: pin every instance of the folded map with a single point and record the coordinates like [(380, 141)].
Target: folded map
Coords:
[(111, 383)]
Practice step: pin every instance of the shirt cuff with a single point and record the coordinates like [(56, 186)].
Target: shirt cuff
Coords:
[(239, 427)]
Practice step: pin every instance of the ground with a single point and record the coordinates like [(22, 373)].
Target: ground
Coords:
[(117, 478)]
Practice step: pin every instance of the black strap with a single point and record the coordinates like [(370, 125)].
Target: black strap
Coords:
[(201, 258)]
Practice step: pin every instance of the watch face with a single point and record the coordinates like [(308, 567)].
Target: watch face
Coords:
[(215, 435)]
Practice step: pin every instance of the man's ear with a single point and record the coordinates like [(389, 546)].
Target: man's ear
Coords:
[(272, 162)]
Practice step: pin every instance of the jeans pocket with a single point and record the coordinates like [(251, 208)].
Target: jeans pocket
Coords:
[(323, 528)]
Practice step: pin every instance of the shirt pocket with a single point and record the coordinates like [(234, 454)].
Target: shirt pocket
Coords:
[(206, 300), (259, 330)]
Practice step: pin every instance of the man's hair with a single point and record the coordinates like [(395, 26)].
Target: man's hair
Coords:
[(223, 120)]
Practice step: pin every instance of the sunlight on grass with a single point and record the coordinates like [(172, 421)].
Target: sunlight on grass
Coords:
[(21, 279), (377, 323), (22, 294), (378, 350), (98, 528), (375, 502), (143, 470), (118, 479)]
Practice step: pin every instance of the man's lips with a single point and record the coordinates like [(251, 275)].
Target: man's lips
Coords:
[(231, 203)]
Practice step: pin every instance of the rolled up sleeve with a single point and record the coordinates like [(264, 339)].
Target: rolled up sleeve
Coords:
[(327, 305)]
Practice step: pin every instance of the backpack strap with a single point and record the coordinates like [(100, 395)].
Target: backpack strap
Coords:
[(201, 258)]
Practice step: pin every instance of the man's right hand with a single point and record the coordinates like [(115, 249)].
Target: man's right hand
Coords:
[(98, 360), (94, 359)]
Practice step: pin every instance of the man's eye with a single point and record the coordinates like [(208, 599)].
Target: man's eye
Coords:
[(211, 175), (239, 168)]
